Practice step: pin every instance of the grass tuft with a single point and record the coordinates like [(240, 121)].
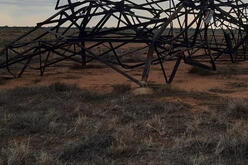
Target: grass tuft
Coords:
[(121, 88), (237, 109), (61, 87), (17, 154), (234, 143), (167, 90), (201, 71)]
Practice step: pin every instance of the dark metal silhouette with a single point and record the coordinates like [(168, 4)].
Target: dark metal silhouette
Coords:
[(198, 32)]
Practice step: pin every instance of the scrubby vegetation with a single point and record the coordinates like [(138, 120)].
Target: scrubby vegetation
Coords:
[(201, 71), (222, 71), (62, 124), (237, 109)]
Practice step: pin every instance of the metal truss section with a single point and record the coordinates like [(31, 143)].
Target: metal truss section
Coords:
[(201, 33)]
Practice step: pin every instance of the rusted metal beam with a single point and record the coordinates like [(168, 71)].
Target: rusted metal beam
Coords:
[(198, 32)]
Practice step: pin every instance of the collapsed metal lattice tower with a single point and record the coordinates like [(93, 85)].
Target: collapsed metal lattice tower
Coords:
[(197, 32)]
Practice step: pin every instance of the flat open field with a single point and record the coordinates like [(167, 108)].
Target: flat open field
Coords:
[(89, 116)]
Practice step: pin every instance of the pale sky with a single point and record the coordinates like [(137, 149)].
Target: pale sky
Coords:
[(25, 12), (29, 12)]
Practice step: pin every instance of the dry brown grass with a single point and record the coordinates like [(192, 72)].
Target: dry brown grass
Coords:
[(237, 109), (62, 124), (201, 71), (121, 88), (17, 153)]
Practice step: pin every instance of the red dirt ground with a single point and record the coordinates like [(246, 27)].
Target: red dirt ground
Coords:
[(100, 78)]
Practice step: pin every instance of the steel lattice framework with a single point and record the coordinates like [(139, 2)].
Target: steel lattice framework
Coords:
[(197, 32)]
